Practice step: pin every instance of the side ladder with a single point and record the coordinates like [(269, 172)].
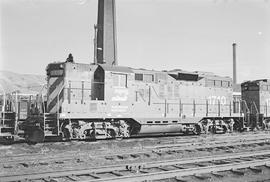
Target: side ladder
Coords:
[(51, 127), (8, 125)]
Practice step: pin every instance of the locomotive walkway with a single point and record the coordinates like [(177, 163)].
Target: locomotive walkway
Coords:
[(159, 169)]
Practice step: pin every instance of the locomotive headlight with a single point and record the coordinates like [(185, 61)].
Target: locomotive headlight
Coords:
[(61, 66)]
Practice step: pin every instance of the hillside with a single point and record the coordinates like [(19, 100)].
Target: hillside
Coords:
[(24, 83)]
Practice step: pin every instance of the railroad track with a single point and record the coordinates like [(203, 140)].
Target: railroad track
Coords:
[(48, 164), (156, 170), (147, 151), (168, 143)]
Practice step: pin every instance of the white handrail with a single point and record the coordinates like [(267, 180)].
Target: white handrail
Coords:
[(43, 104), (246, 105), (4, 104), (57, 112), (257, 111)]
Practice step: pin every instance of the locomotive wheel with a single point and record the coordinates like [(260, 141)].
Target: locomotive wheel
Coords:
[(6, 140), (212, 129), (66, 134), (225, 129), (197, 130), (36, 136), (111, 133)]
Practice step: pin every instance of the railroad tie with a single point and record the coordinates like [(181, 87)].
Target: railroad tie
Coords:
[(74, 178), (24, 164), (147, 155), (49, 180), (202, 164), (255, 169), (117, 173), (237, 160), (137, 168), (109, 157), (201, 177), (216, 174), (135, 155), (122, 157), (163, 168), (180, 179), (238, 172), (219, 162), (178, 166), (94, 175), (259, 157)]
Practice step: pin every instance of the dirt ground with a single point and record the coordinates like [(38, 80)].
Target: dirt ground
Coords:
[(78, 149)]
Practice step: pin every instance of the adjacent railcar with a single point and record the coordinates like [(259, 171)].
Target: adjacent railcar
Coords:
[(15, 108), (256, 95), (100, 101), (8, 124)]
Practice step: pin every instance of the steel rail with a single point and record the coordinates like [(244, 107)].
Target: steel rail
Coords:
[(111, 168), (163, 149), (174, 148), (184, 172), (176, 140)]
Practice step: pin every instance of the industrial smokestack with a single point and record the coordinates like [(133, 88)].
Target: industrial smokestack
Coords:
[(106, 33), (234, 63)]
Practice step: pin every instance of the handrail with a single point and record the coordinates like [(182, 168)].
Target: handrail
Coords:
[(4, 108), (4, 104), (43, 105), (42, 100), (246, 106), (57, 111), (257, 111)]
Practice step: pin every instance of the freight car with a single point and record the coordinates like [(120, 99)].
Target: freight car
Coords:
[(256, 94), (94, 101), (8, 124), (15, 109)]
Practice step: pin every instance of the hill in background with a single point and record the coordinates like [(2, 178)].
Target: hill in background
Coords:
[(24, 83), (33, 84)]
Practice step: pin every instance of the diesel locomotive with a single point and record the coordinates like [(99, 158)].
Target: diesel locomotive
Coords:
[(96, 101), (93, 101)]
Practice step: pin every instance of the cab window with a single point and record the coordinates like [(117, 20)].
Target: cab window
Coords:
[(119, 80)]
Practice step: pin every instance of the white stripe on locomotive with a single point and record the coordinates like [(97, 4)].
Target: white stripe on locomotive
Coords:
[(53, 95)]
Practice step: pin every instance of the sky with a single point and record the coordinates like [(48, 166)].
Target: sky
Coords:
[(193, 35)]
